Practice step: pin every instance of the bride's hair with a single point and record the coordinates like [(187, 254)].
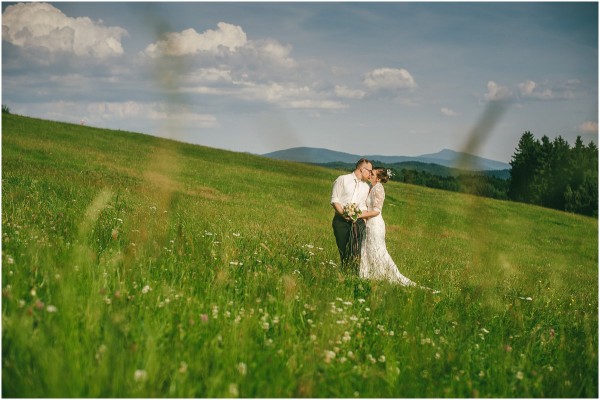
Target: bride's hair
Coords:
[(382, 174)]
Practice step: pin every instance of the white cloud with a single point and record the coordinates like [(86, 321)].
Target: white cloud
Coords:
[(227, 46), (211, 75), (289, 96), (107, 111), (348, 93), (187, 42), (532, 90), (30, 25), (389, 79), (448, 112), (589, 127), (497, 92)]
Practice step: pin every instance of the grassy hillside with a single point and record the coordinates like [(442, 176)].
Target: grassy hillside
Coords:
[(134, 266)]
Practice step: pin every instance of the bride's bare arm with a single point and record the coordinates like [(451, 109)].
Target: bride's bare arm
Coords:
[(369, 214)]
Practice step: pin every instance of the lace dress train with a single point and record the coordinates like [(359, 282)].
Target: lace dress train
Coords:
[(375, 261)]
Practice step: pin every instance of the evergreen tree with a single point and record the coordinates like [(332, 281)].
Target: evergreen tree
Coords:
[(524, 165)]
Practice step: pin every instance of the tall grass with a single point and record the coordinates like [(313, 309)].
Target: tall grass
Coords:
[(134, 266)]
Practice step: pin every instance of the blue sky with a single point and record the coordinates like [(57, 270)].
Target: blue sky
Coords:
[(390, 78)]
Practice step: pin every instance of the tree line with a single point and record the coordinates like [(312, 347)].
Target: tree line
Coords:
[(553, 174)]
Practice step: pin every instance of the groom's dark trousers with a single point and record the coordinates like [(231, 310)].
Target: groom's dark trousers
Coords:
[(348, 242)]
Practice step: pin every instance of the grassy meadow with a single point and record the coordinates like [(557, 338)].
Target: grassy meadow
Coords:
[(134, 266)]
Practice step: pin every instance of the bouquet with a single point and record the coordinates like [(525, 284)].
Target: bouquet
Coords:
[(352, 211)]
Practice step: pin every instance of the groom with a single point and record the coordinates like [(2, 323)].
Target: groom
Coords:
[(350, 188)]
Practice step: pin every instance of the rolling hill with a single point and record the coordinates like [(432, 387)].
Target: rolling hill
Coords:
[(446, 157), (140, 267)]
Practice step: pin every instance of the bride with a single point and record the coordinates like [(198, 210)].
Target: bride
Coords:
[(375, 261)]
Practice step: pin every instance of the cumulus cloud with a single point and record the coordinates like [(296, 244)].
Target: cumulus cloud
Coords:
[(389, 79), (349, 93), (40, 25), (497, 92), (188, 42), (533, 90), (290, 96), (448, 112), (132, 110), (228, 43), (589, 127)]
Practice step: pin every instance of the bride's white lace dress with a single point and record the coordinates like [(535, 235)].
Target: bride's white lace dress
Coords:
[(375, 261)]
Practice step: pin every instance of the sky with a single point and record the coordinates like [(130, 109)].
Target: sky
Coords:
[(386, 78)]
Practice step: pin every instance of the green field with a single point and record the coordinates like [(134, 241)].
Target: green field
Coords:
[(134, 266)]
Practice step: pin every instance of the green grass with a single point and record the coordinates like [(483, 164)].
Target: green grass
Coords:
[(134, 266)]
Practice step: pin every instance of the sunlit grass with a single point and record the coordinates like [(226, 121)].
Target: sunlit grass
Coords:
[(138, 267)]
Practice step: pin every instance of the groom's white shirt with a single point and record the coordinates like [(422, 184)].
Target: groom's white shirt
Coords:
[(350, 189)]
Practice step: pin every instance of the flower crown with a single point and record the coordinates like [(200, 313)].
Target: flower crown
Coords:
[(389, 173)]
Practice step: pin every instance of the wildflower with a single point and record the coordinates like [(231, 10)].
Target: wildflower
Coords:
[(204, 318), (361, 301), (265, 326), (183, 367), (146, 289), (10, 260), (391, 333), (520, 375), (343, 360), (371, 358), (481, 374), (329, 355), (485, 330), (39, 304), (140, 375), (381, 358), (233, 390), (313, 337), (51, 309), (346, 337), (242, 368), (236, 234)]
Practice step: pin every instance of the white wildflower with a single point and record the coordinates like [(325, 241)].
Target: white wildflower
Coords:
[(140, 375), (242, 368), (51, 309), (520, 375), (146, 289), (233, 390)]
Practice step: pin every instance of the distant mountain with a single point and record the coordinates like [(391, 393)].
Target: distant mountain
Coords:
[(446, 158)]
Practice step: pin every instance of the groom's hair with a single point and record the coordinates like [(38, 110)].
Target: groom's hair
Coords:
[(360, 163)]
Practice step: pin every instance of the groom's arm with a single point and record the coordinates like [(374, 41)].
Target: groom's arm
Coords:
[(338, 208)]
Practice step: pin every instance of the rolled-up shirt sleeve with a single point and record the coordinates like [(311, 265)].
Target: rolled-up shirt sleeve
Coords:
[(337, 190)]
